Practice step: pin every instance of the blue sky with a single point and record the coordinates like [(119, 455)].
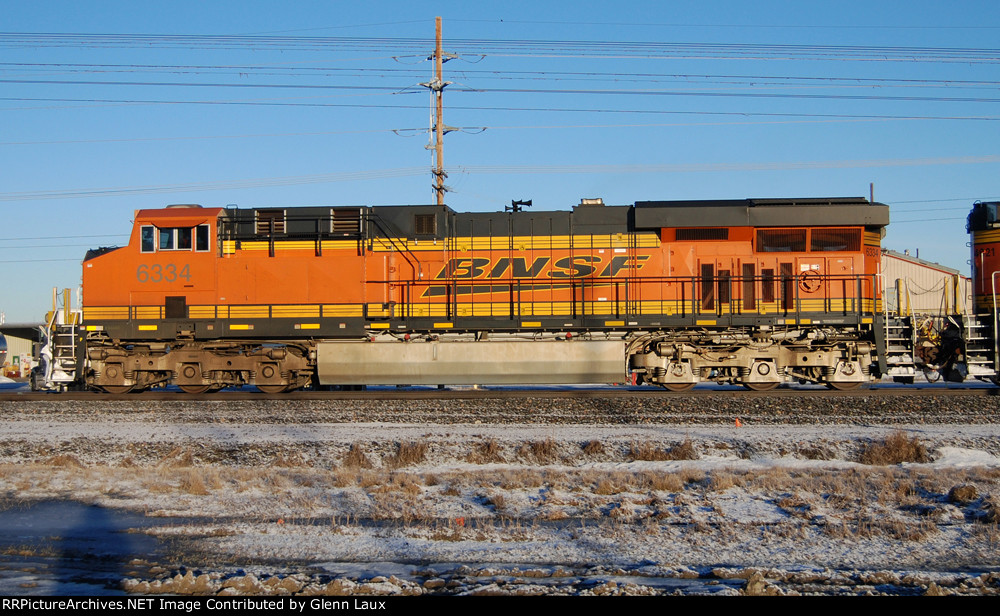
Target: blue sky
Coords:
[(139, 105)]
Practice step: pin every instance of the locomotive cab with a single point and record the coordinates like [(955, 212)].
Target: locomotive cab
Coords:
[(984, 226)]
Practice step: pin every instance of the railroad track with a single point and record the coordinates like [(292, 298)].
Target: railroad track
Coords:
[(466, 393), (604, 406)]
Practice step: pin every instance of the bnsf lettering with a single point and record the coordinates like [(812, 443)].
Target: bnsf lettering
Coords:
[(519, 267), (579, 266), (575, 267), (620, 262), (464, 268)]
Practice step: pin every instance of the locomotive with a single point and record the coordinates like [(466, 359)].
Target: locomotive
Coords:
[(669, 293)]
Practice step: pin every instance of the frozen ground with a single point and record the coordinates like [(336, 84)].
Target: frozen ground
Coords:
[(231, 503)]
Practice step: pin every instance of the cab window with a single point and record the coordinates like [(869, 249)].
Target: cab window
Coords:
[(147, 239)]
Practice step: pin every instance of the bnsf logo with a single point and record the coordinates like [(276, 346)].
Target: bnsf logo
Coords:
[(518, 267)]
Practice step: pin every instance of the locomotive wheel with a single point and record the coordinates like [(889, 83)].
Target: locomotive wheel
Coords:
[(761, 386), (195, 389), (679, 386), (117, 389), (273, 389), (844, 386)]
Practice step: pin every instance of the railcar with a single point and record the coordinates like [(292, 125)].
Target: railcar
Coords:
[(669, 293)]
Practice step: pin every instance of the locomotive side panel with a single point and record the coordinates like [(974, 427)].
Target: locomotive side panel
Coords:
[(779, 289)]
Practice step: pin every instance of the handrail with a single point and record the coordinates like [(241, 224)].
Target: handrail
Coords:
[(676, 295), (996, 343), (373, 218)]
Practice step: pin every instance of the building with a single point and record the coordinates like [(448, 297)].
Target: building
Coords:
[(915, 286)]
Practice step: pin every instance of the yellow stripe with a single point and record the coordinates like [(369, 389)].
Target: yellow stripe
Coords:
[(147, 328), (201, 312), (705, 322), (249, 312), (614, 323), (443, 325), (307, 326), (520, 242), (148, 312), (104, 313), (342, 310), (986, 236), (378, 325), (295, 311), (531, 324), (240, 327)]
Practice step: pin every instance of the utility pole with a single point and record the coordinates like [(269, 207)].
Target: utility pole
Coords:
[(437, 86)]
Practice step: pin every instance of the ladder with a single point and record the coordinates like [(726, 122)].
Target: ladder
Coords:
[(900, 341), (58, 361)]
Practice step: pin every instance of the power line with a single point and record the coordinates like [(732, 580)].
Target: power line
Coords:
[(60, 237), (398, 90), (546, 75), (510, 47), (491, 170), (605, 110)]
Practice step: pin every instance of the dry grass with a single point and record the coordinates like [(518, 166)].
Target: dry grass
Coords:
[(649, 452), (65, 461), (896, 448), (356, 458), (178, 457), (486, 452), (663, 482), (408, 454), (191, 482), (868, 527), (606, 487), (542, 452), (496, 500), (593, 448), (721, 480)]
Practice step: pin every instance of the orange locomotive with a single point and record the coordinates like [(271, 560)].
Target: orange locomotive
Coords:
[(667, 293)]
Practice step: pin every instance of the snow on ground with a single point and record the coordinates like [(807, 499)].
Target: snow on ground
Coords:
[(522, 509)]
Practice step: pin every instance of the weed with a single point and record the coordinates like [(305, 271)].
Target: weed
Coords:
[(663, 482), (356, 458), (606, 487), (896, 448), (486, 452), (177, 458), (542, 451), (497, 501), (65, 460), (193, 483), (407, 454), (593, 448), (649, 452), (720, 481)]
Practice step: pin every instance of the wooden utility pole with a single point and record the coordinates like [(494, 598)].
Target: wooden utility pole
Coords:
[(439, 124), (437, 86)]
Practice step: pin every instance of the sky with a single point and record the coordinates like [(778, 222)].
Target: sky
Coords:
[(110, 107)]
